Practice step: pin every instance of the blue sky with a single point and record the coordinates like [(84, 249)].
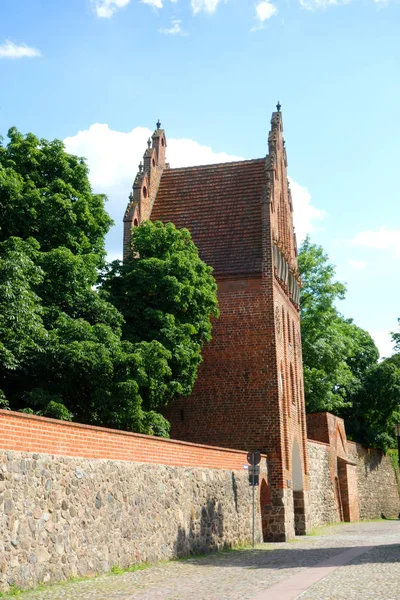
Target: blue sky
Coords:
[(100, 73)]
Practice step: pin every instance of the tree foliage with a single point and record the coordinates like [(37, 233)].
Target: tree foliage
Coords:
[(22, 332), (396, 339), (62, 352), (45, 194), (336, 352), (341, 370), (375, 407), (166, 293)]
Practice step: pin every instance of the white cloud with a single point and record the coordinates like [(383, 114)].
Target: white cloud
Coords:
[(304, 213), (11, 50), (153, 3), (383, 340), (186, 153), (106, 8), (208, 6), (381, 239), (113, 158), (357, 264), (264, 11), (316, 4), (175, 28)]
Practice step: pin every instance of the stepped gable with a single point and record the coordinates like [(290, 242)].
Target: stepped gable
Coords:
[(221, 206)]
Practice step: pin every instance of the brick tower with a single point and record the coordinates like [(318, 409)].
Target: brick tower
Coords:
[(249, 393)]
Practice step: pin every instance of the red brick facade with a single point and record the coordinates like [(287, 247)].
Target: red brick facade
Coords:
[(329, 429), (249, 393)]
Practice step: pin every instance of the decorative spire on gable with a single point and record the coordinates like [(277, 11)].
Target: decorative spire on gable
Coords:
[(280, 198), (159, 143), (145, 185)]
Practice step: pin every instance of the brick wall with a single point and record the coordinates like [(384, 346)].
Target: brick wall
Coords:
[(363, 480), (249, 392), (235, 400), (28, 433)]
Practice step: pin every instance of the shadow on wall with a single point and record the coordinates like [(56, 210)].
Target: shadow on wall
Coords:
[(371, 457), (235, 491), (205, 532)]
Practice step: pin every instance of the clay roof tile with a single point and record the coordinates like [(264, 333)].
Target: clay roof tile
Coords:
[(221, 206)]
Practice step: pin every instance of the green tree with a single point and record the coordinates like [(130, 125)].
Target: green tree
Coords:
[(336, 353), (45, 194), (396, 339), (341, 369), (375, 407), (165, 293), (21, 327), (61, 348)]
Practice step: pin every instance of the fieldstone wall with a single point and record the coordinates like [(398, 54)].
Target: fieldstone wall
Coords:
[(377, 487), (322, 498), (66, 516)]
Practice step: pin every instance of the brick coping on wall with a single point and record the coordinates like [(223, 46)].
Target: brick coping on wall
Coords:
[(357, 444), (318, 442), (30, 433)]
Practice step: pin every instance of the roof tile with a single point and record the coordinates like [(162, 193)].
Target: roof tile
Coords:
[(221, 206)]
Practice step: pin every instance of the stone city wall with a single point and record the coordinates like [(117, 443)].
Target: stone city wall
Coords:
[(378, 492), (67, 516), (64, 517), (323, 508)]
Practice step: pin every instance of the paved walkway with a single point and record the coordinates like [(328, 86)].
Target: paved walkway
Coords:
[(353, 561)]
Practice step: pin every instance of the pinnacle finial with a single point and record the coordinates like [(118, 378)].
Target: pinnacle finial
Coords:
[(158, 124), (149, 143), (278, 106), (140, 167)]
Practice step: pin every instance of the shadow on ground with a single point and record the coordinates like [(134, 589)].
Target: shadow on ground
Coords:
[(288, 558)]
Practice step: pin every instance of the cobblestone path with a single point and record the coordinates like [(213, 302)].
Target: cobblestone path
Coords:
[(245, 574)]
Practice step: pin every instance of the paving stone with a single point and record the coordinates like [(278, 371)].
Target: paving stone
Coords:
[(240, 575)]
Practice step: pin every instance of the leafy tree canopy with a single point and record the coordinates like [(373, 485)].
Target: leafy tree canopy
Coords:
[(341, 370), (166, 293), (376, 406), (62, 352), (335, 351), (396, 339), (45, 194)]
